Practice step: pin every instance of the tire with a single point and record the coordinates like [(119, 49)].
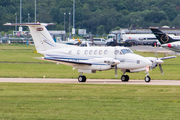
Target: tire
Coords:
[(124, 78), (147, 79), (82, 78), (127, 78)]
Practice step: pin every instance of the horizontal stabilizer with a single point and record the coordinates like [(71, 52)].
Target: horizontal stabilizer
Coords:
[(28, 24)]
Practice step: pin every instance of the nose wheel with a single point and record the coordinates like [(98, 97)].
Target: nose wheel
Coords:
[(147, 79), (124, 78)]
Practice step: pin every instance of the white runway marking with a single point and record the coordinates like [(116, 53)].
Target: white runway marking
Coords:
[(89, 81)]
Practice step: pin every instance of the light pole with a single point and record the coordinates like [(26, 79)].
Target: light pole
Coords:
[(28, 17), (73, 17), (16, 22), (35, 11), (64, 22), (69, 25), (20, 11)]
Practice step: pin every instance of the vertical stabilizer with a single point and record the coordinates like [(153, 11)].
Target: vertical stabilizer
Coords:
[(161, 36), (42, 38)]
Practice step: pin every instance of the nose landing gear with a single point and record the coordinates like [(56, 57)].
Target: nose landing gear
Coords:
[(147, 78)]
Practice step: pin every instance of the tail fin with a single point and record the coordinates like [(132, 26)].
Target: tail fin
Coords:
[(161, 36), (42, 39)]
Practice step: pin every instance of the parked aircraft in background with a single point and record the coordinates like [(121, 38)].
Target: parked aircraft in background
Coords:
[(167, 41), (90, 59)]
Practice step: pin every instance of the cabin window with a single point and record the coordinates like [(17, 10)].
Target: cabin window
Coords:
[(78, 52), (116, 52), (100, 52), (105, 52), (95, 52), (90, 52), (86, 52)]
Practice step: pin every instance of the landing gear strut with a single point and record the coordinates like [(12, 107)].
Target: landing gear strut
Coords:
[(82, 78), (147, 78)]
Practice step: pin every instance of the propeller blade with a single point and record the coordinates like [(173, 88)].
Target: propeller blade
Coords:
[(116, 71), (156, 54), (160, 67)]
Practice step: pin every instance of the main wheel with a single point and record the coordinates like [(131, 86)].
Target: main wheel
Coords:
[(124, 78), (82, 78), (127, 78), (147, 79)]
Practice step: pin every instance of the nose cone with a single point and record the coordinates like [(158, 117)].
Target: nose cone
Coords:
[(159, 61)]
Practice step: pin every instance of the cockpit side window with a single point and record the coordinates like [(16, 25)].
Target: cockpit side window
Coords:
[(125, 51)]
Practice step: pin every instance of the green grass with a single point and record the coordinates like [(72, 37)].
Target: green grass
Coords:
[(18, 61), (27, 101)]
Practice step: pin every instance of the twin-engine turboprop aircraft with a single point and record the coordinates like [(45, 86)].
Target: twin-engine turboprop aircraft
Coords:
[(90, 59)]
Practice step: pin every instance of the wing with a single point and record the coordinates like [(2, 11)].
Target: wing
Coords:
[(169, 57), (66, 62)]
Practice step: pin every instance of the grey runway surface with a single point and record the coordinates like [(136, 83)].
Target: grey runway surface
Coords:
[(89, 81)]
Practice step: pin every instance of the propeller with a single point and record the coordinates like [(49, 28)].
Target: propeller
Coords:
[(159, 62), (160, 67), (115, 63)]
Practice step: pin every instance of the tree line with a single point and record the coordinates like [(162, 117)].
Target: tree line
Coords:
[(96, 16)]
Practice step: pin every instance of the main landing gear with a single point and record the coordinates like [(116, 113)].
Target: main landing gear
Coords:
[(124, 78), (82, 78)]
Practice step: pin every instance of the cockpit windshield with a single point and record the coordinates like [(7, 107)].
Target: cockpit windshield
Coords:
[(125, 51)]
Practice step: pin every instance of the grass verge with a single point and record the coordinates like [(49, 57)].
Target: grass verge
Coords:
[(25, 101)]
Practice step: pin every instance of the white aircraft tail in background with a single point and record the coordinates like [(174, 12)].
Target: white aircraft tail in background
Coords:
[(90, 59), (41, 37)]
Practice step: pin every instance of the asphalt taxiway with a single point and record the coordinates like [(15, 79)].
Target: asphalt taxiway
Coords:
[(89, 81)]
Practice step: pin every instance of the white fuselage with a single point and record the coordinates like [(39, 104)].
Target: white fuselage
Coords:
[(174, 46), (101, 58)]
